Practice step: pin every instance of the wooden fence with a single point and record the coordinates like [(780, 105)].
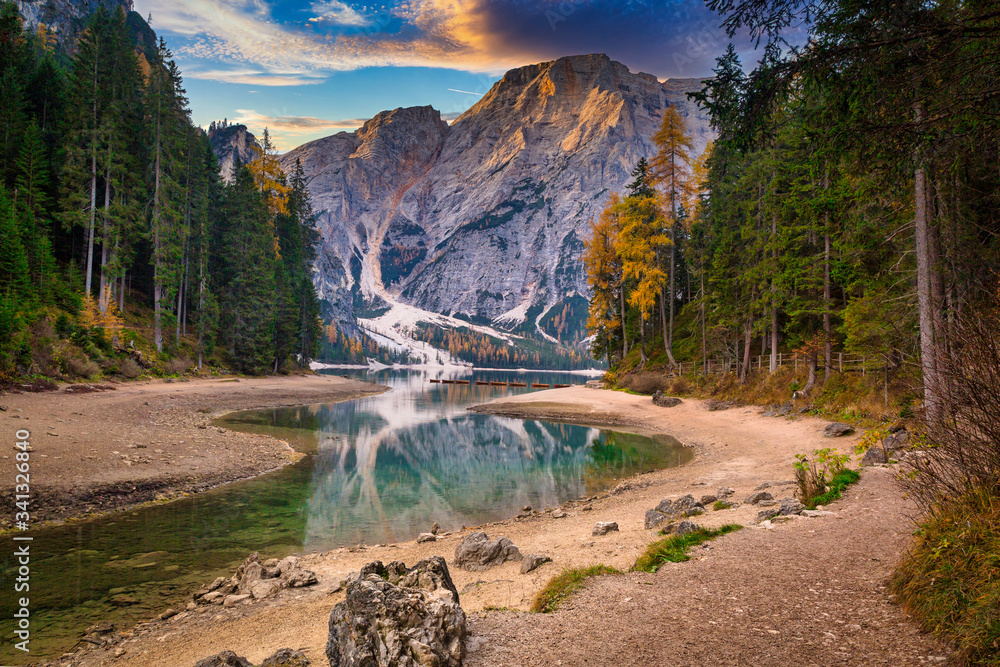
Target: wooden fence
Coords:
[(839, 362)]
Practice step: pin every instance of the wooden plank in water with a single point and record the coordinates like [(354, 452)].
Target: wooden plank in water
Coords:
[(447, 382), (433, 380), (461, 382), (561, 386), (483, 382), (539, 385), (498, 384)]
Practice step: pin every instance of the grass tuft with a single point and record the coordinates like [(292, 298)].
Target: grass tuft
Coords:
[(721, 505), (840, 481), (674, 549), (949, 580), (565, 584)]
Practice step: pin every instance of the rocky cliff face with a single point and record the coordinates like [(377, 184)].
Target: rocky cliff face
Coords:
[(65, 18), (486, 218), (231, 143)]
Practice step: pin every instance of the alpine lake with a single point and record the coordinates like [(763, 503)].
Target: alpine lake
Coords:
[(375, 470)]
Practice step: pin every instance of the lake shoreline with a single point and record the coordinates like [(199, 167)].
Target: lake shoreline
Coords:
[(137, 443), (737, 448)]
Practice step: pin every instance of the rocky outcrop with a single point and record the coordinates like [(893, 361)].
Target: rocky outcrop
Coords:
[(255, 580), (407, 203), (478, 552), (671, 510), (232, 144), (284, 657), (224, 659), (397, 616), (66, 19)]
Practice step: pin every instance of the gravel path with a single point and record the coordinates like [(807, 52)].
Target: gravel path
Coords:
[(808, 592)]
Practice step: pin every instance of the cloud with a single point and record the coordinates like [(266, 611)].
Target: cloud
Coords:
[(669, 38), (253, 77), (336, 13), (286, 131)]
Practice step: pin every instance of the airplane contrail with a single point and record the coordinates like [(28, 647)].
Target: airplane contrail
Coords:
[(455, 90)]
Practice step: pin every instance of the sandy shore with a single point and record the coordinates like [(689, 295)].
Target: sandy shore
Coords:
[(808, 592), (144, 441)]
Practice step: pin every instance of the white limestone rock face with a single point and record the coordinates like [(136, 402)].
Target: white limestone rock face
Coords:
[(486, 217), (231, 143)]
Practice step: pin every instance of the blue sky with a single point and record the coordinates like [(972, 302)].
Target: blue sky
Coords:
[(310, 69)]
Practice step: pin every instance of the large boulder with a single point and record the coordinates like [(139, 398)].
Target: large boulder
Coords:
[(286, 657), (790, 506), (874, 456), (896, 441), (416, 621), (224, 659), (836, 430), (604, 527), (665, 401), (655, 519), (478, 552), (757, 496)]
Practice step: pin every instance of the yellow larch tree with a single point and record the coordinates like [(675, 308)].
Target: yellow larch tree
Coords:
[(671, 171)]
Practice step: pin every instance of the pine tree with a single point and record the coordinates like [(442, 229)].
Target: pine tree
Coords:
[(167, 120)]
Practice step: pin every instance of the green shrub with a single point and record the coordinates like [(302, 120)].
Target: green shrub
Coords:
[(674, 549), (565, 584), (840, 481)]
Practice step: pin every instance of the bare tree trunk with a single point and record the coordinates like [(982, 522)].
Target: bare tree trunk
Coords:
[(704, 347), (642, 340), (924, 297), (746, 350), (157, 251), (773, 366), (621, 293), (673, 289), (93, 190), (827, 324), (812, 372), (104, 296)]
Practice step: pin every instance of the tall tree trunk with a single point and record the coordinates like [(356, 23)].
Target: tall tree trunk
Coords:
[(747, 343), (642, 340), (201, 306), (93, 189), (827, 305), (773, 365), (925, 307), (157, 247), (811, 381), (704, 343), (104, 297), (672, 295), (827, 323), (621, 293)]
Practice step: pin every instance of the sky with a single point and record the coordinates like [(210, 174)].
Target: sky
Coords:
[(310, 69)]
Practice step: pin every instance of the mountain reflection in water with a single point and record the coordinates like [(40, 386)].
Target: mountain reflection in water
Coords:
[(385, 468)]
